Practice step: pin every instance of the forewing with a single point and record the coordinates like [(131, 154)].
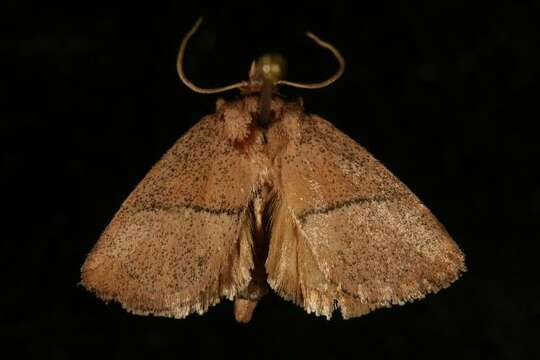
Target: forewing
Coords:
[(347, 233), (181, 240)]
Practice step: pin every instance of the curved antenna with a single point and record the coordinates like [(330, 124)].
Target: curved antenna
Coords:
[(180, 67), (327, 82)]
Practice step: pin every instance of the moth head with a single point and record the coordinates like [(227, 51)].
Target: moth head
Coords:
[(269, 69)]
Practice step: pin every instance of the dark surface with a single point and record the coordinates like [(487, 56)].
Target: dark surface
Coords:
[(444, 94)]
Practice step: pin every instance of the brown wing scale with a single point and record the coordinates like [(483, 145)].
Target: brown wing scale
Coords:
[(182, 238), (346, 232)]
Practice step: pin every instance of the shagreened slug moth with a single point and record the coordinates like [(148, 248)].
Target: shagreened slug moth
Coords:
[(261, 195)]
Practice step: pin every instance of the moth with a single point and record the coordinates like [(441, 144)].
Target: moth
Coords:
[(260, 195)]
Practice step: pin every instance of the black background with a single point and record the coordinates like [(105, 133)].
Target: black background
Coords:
[(443, 93)]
